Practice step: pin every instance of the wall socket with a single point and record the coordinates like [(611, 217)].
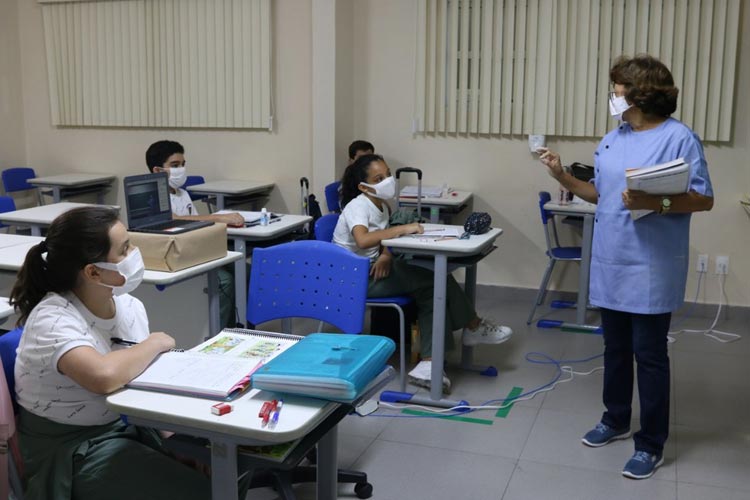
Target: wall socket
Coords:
[(722, 264), (702, 264)]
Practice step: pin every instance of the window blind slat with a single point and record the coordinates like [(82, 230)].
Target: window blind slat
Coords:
[(452, 65), (463, 70), (497, 68), (485, 87), (519, 69), (421, 74), (509, 37), (727, 78)]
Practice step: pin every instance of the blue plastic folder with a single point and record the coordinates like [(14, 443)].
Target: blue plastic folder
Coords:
[(332, 366)]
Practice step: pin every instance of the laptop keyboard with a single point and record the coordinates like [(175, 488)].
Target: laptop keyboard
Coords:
[(162, 225)]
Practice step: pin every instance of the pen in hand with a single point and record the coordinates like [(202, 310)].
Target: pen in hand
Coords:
[(118, 340)]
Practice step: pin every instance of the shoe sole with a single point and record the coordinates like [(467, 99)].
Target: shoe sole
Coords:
[(645, 476), (614, 438), (426, 384), (473, 343)]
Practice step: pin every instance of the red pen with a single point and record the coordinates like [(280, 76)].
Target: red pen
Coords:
[(265, 409)]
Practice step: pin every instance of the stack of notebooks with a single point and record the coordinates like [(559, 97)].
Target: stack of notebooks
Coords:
[(331, 366), (668, 178)]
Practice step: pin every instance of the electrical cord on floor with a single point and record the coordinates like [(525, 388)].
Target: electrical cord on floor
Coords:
[(531, 357), (711, 331)]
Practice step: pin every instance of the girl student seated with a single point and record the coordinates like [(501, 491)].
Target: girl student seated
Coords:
[(72, 297), (367, 186)]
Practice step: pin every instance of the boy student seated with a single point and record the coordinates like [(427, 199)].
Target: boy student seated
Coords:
[(364, 223), (72, 296), (169, 156), (359, 148)]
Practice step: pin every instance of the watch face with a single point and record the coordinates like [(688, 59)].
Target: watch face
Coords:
[(666, 202)]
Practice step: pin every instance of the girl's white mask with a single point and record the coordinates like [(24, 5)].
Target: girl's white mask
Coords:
[(617, 106), (131, 268), (385, 189)]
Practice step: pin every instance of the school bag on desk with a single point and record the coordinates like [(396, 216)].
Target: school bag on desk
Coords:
[(326, 365)]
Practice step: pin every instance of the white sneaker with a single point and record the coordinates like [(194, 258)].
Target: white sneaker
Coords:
[(487, 333), (421, 376)]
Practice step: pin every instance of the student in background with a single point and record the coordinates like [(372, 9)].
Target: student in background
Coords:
[(359, 148), (367, 187), (72, 298), (169, 156), (638, 267)]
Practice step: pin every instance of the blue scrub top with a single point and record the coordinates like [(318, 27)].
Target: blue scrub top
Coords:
[(641, 266)]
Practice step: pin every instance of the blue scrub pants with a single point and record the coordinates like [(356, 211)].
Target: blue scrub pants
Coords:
[(644, 336)]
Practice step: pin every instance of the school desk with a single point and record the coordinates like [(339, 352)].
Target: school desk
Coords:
[(458, 253), (587, 211), (43, 215), (232, 191), (66, 185), (453, 203)]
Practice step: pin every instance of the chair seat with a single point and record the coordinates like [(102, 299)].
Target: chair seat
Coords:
[(401, 300), (565, 253)]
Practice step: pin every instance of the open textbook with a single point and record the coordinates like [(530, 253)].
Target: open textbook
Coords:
[(219, 368), (664, 179)]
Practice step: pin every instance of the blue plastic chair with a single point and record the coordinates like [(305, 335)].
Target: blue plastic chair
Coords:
[(192, 180), (10, 481), (308, 279), (17, 179), (324, 228), (332, 197), (7, 204), (554, 252)]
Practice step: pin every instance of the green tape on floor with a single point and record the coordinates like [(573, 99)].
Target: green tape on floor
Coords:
[(514, 393), (447, 417)]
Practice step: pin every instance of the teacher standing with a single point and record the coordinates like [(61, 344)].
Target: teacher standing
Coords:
[(638, 267)]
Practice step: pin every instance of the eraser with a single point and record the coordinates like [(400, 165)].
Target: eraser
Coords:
[(221, 409)]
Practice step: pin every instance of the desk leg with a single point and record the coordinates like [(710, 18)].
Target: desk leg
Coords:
[(583, 275), (435, 215), (328, 466), (36, 231), (56, 198), (219, 201), (240, 279), (223, 470), (214, 320), (438, 325)]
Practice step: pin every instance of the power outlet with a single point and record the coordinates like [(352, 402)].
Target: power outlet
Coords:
[(722, 264), (702, 264)]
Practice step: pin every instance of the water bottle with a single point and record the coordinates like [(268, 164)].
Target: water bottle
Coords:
[(264, 218)]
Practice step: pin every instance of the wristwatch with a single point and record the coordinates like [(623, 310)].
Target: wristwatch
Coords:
[(666, 204)]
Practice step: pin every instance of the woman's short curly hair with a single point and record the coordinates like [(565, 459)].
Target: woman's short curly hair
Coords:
[(649, 84)]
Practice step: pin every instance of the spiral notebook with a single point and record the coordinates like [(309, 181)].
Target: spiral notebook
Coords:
[(219, 368)]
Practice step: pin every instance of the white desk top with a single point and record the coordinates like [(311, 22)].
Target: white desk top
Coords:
[(12, 257), (11, 240), (451, 247), (454, 199), (231, 187), (577, 208), (286, 224), (72, 180), (43, 214), (5, 308), (297, 418)]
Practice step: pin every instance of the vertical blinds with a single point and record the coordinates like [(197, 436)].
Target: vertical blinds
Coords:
[(159, 63), (542, 66)]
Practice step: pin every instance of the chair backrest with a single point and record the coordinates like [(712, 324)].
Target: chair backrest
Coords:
[(16, 179), (7, 204), (192, 180), (8, 344), (332, 197), (325, 226), (544, 197), (308, 279)]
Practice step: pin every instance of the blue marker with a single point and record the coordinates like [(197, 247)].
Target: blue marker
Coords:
[(275, 415)]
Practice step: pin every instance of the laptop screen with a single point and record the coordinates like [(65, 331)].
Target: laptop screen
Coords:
[(147, 199)]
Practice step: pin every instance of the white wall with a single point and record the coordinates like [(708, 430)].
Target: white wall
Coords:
[(12, 150), (504, 175), (282, 156)]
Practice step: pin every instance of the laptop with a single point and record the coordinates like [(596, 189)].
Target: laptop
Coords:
[(149, 207)]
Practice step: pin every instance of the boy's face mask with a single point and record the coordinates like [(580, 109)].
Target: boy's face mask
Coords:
[(385, 189), (617, 106), (131, 268), (177, 177)]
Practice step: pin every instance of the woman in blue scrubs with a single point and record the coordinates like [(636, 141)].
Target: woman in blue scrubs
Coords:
[(638, 267)]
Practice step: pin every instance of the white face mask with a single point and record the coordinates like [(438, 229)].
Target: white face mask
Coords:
[(385, 189), (131, 268), (177, 177), (617, 106)]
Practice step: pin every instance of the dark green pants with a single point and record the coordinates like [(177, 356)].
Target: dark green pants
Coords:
[(417, 282)]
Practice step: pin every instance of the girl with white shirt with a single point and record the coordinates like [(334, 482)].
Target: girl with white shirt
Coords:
[(72, 297), (367, 186)]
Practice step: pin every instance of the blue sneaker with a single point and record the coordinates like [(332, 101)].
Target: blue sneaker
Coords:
[(642, 465), (602, 434)]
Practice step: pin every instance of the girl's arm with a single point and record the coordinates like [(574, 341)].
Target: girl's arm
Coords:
[(105, 373), (369, 239)]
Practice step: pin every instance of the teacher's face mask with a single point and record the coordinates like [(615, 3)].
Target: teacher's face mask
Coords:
[(617, 106)]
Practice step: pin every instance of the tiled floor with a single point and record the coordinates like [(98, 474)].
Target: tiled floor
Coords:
[(536, 451)]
